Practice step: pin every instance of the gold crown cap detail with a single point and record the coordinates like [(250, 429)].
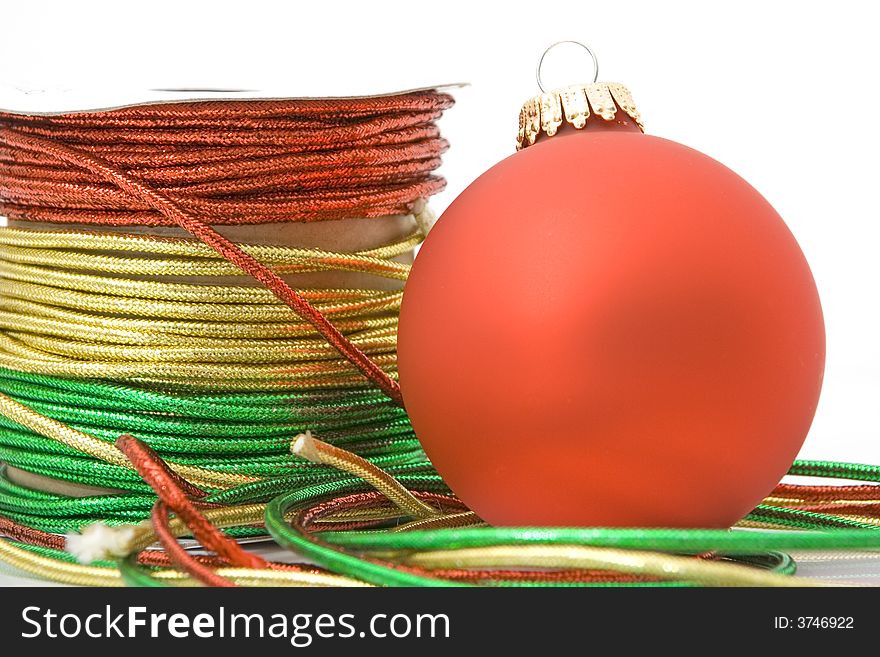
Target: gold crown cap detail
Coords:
[(574, 105)]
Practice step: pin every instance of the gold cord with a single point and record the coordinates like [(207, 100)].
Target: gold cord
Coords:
[(99, 449)]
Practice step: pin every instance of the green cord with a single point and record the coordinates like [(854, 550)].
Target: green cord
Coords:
[(664, 540), (250, 433), (311, 406), (246, 433), (340, 551), (134, 574)]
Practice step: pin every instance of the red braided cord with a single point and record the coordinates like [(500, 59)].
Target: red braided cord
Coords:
[(229, 162), (225, 247), (864, 492), (154, 471), (178, 555), (25, 534)]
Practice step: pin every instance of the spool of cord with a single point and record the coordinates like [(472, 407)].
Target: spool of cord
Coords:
[(175, 324), (121, 316)]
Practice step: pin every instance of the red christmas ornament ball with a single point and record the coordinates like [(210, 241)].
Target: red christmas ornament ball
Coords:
[(611, 329)]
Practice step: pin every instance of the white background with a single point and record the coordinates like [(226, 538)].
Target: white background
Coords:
[(785, 93)]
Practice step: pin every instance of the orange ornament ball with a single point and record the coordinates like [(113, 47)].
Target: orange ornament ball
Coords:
[(611, 329)]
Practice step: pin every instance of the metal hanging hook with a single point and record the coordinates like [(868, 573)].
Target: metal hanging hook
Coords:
[(558, 43)]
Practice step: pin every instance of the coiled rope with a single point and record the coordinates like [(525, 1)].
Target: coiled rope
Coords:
[(202, 347), (150, 365)]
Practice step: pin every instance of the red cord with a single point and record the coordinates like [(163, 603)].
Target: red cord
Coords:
[(866, 492), (196, 164), (227, 162), (178, 555), (154, 471)]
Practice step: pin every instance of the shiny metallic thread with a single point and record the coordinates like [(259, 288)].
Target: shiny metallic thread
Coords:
[(107, 333)]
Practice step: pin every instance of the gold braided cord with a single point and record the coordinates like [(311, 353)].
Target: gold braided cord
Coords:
[(337, 373), (529, 556), (226, 516), (386, 512), (265, 577), (664, 566), (445, 521), (327, 261), (317, 451), (268, 577), (39, 318), (55, 570), (79, 575), (837, 555), (25, 327), (90, 240), (746, 523), (211, 308), (204, 351), (61, 321), (136, 287), (793, 501), (144, 536), (106, 452)]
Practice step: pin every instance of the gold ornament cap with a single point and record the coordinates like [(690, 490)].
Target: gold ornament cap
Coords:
[(577, 105)]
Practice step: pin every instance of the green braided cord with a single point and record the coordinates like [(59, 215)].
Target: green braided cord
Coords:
[(250, 433), (60, 514), (291, 407), (337, 550), (77, 524), (134, 574), (669, 540), (245, 433), (327, 483), (856, 471), (797, 519), (86, 471)]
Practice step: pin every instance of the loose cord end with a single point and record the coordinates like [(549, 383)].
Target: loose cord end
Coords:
[(100, 542), (305, 446), (425, 217), (317, 451)]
